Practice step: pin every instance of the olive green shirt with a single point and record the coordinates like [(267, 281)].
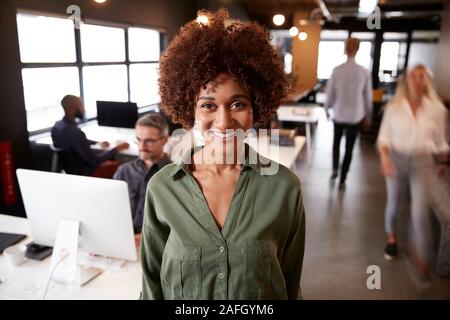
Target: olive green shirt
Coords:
[(258, 254)]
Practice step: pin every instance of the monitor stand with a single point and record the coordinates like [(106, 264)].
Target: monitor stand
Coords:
[(64, 267)]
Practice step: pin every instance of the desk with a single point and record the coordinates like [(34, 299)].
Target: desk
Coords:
[(296, 94), (284, 155), (100, 133), (305, 113), (28, 280), (177, 148), (281, 154)]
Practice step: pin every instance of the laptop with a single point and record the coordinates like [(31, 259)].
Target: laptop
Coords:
[(9, 239)]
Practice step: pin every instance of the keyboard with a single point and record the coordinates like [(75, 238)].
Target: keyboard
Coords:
[(101, 262), (8, 239)]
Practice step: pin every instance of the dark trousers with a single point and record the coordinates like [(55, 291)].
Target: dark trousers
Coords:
[(351, 132)]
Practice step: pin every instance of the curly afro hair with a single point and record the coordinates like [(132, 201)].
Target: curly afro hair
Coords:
[(202, 51)]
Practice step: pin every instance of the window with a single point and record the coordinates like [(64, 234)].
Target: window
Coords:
[(104, 83), (282, 41), (395, 36), (331, 54), (393, 56), (424, 49), (389, 60), (364, 56), (44, 87), (333, 35), (143, 79), (102, 44), (45, 39), (423, 53), (288, 63), (144, 44), (144, 47), (43, 90), (108, 68), (331, 51)]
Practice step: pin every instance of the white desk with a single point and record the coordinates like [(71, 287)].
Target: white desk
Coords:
[(281, 154), (100, 133), (307, 114), (284, 155), (28, 280)]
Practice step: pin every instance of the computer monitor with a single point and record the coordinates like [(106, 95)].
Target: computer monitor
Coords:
[(101, 206), (117, 114)]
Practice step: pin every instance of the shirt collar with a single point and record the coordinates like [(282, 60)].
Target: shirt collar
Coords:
[(252, 160), (407, 107), (161, 163), (65, 119), (164, 161)]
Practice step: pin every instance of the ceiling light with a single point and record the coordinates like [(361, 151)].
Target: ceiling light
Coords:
[(392, 14), (303, 36), (202, 19), (100, 1), (367, 6), (293, 31), (278, 19)]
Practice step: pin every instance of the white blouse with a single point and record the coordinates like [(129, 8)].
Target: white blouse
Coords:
[(424, 133)]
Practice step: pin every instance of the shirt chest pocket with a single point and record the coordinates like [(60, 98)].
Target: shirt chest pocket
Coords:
[(181, 272), (263, 278)]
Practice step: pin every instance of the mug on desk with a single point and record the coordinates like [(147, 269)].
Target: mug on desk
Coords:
[(15, 255)]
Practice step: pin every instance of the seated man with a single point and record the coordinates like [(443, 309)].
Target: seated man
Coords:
[(151, 136), (67, 135)]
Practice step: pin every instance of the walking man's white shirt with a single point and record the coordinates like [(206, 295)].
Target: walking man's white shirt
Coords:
[(349, 93)]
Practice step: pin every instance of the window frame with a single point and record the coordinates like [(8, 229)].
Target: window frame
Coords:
[(350, 33), (402, 38), (79, 64)]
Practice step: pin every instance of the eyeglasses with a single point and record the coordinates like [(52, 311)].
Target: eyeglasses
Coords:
[(147, 142)]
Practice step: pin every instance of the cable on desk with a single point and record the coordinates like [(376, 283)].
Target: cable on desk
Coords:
[(52, 272)]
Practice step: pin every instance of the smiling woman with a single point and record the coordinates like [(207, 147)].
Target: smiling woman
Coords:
[(201, 52), (214, 228)]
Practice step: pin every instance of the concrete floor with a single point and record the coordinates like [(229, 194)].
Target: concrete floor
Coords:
[(345, 233)]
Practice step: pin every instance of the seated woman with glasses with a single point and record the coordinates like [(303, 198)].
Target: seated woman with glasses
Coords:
[(224, 223), (151, 136)]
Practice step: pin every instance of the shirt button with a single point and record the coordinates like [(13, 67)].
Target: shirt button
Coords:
[(221, 275), (222, 249)]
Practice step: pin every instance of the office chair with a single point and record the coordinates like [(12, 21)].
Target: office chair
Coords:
[(55, 158), (63, 161)]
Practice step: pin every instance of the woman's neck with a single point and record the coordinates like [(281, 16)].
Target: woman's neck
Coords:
[(219, 163), (415, 100)]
